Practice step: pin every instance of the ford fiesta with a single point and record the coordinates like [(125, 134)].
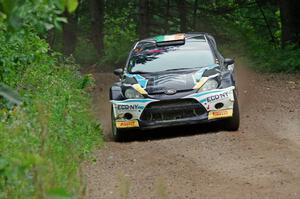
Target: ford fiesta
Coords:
[(172, 80)]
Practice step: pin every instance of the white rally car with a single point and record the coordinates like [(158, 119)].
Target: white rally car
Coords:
[(171, 80)]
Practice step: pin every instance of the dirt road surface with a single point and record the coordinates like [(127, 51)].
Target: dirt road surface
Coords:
[(261, 160)]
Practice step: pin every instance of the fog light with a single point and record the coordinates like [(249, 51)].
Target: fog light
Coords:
[(219, 105), (128, 116)]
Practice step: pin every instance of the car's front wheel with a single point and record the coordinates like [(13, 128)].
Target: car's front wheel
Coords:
[(233, 123), (117, 134)]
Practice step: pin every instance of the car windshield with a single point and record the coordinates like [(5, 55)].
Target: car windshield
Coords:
[(151, 58)]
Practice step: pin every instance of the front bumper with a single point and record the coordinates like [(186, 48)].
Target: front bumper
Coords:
[(193, 109)]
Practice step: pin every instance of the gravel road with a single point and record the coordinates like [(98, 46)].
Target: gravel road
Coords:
[(261, 160)]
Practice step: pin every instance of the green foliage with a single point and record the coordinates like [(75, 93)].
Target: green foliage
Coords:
[(46, 137), (245, 28), (85, 52), (40, 14), (44, 140), (270, 58), (71, 5), (120, 34)]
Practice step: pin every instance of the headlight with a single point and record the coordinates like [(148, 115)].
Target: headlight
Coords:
[(131, 93), (209, 85)]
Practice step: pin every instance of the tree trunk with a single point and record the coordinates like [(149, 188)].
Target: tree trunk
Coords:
[(266, 22), (182, 10), (290, 23), (97, 23), (143, 18), (195, 13), (69, 34), (51, 37), (167, 17)]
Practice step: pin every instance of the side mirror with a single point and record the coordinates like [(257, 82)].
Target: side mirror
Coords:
[(118, 71), (228, 61)]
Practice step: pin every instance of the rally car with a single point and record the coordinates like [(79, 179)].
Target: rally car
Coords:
[(171, 80)]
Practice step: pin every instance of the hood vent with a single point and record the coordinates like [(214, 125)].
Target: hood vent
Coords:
[(162, 83)]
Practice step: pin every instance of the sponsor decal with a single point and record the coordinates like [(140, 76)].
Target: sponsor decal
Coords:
[(142, 81), (129, 107), (127, 124), (217, 97), (205, 93), (220, 114)]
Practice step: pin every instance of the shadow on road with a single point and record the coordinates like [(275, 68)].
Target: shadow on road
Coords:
[(172, 132)]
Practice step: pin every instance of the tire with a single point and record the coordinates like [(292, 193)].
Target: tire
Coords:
[(233, 123), (117, 134)]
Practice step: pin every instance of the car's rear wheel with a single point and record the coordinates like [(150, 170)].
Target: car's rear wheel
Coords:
[(233, 123), (117, 134)]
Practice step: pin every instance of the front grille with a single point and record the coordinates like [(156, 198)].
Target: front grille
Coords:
[(172, 110)]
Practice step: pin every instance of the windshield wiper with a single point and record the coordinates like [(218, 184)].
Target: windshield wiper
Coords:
[(139, 72), (174, 69)]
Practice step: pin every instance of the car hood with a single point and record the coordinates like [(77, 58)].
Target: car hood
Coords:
[(183, 80)]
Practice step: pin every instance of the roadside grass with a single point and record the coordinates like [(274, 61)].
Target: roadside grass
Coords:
[(44, 140)]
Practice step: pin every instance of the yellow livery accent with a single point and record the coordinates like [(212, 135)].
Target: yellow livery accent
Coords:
[(127, 124), (220, 114), (200, 83), (139, 89)]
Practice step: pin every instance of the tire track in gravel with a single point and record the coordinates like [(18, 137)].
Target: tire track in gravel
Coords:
[(261, 160)]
